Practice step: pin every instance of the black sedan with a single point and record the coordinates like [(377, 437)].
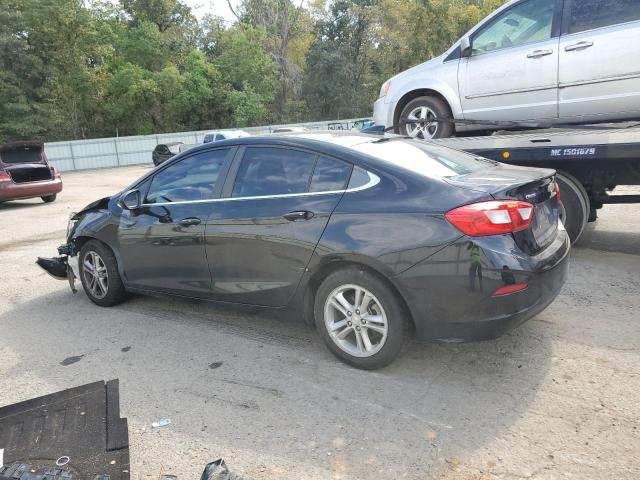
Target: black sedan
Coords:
[(164, 151), (368, 238)]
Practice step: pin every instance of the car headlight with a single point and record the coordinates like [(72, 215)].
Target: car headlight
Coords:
[(385, 89), (73, 219)]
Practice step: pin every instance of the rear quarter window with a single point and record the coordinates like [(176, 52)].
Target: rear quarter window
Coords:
[(428, 160)]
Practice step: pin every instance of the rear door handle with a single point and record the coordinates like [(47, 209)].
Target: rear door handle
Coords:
[(539, 53), (578, 46), (188, 222), (298, 215)]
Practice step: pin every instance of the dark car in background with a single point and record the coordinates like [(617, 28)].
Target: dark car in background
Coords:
[(368, 238), (26, 173), (164, 151)]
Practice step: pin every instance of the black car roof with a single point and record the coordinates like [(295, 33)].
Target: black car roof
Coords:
[(326, 141), (343, 138)]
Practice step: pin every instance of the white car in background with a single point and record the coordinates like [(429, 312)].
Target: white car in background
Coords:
[(540, 61), (223, 135)]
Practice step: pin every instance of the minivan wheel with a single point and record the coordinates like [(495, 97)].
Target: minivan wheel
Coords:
[(99, 274), (360, 318), (425, 111), (49, 198)]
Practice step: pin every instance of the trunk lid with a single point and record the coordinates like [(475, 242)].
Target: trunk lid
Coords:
[(25, 162), (534, 185)]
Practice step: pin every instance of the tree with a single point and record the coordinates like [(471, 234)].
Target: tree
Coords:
[(164, 13), (338, 76), (78, 69)]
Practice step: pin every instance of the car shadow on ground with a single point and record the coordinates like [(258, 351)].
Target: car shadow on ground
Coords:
[(237, 382), (609, 241), (21, 204)]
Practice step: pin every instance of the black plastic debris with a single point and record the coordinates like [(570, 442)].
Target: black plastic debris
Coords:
[(217, 470), (75, 434), (26, 471)]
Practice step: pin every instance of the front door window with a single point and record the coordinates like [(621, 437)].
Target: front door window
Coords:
[(527, 22)]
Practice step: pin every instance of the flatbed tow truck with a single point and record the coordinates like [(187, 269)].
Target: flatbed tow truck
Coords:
[(591, 161)]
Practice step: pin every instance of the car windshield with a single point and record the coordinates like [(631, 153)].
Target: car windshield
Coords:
[(423, 159)]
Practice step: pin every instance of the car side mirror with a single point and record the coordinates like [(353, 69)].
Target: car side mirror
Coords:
[(465, 47), (131, 200)]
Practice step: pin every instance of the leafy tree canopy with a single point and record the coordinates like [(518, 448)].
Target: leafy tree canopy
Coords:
[(75, 69)]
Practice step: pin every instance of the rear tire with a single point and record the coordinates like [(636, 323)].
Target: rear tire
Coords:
[(49, 198), (352, 304), (432, 107), (99, 274), (576, 204)]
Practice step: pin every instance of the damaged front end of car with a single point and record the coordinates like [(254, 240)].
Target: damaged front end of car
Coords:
[(65, 266)]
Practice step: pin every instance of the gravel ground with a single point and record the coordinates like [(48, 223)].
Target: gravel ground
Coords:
[(557, 398)]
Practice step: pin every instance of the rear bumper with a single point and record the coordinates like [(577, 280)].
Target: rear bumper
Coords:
[(18, 191), (450, 295)]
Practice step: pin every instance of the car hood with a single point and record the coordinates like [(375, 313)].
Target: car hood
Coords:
[(423, 67), (99, 204)]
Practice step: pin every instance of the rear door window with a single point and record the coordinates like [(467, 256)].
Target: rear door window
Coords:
[(190, 179), (590, 14), (330, 175), (266, 171)]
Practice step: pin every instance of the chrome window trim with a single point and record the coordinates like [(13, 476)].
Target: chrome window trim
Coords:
[(373, 181)]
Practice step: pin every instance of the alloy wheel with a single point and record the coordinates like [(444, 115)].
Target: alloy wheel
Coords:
[(95, 274), (426, 125), (355, 320)]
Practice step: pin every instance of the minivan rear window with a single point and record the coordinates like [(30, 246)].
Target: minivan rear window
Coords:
[(590, 14), (424, 159)]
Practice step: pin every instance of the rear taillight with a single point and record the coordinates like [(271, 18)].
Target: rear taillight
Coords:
[(55, 172), (494, 217), (4, 176)]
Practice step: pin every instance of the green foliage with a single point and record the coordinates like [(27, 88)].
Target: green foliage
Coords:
[(77, 69)]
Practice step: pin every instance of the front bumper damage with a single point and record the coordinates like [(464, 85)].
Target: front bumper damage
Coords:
[(63, 267)]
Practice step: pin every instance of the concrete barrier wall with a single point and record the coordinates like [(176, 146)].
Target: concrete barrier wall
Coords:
[(136, 150)]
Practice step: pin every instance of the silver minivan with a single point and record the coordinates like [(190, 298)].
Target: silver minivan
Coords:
[(548, 61)]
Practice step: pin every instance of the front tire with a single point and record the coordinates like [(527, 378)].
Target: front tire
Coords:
[(360, 318), (99, 274), (49, 198), (425, 110)]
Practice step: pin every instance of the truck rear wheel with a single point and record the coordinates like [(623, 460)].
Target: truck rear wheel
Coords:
[(576, 205)]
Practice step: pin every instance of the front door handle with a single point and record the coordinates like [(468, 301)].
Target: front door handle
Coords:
[(539, 53), (188, 222), (578, 46), (298, 215)]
